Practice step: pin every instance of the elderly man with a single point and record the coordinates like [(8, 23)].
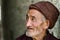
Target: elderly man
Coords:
[(40, 17)]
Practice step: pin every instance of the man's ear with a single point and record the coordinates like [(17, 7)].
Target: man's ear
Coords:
[(46, 24)]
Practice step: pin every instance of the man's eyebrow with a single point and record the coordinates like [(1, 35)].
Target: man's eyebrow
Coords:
[(33, 16)]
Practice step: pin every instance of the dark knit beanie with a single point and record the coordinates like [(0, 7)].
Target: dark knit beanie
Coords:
[(48, 10)]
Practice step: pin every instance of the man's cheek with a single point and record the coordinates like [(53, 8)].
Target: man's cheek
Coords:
[(35, 24)]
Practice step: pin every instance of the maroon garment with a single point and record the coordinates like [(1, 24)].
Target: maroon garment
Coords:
[(47, 37)]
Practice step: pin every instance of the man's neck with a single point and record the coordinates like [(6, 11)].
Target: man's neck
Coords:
[(40, 36)]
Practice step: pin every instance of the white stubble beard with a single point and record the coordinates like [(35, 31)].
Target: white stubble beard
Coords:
[(32, 33)]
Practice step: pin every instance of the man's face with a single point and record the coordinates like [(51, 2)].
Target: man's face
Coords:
[(34, 22)]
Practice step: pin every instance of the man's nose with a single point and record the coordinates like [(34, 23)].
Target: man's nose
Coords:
[(29, 23)]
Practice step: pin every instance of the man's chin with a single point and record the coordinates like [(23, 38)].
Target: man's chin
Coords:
[(31, 33)]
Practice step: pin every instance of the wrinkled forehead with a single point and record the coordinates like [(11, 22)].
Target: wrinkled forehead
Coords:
[(34, 12)]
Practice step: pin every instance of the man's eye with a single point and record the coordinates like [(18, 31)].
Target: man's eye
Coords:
[(33, 19), (26, 17)]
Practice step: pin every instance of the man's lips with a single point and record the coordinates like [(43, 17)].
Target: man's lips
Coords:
[(29, 28)]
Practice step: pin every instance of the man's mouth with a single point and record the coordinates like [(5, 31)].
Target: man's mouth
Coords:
[(30, 28)]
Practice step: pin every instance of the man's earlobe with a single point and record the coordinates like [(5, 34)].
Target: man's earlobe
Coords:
[(46, 24)]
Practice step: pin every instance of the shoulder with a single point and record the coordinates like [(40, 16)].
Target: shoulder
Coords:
[(23, 37), (51, 37)]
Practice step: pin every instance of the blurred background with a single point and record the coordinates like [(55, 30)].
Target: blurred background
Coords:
[(12, 18)]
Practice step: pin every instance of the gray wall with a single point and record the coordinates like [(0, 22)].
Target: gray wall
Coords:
[(13, 17)]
